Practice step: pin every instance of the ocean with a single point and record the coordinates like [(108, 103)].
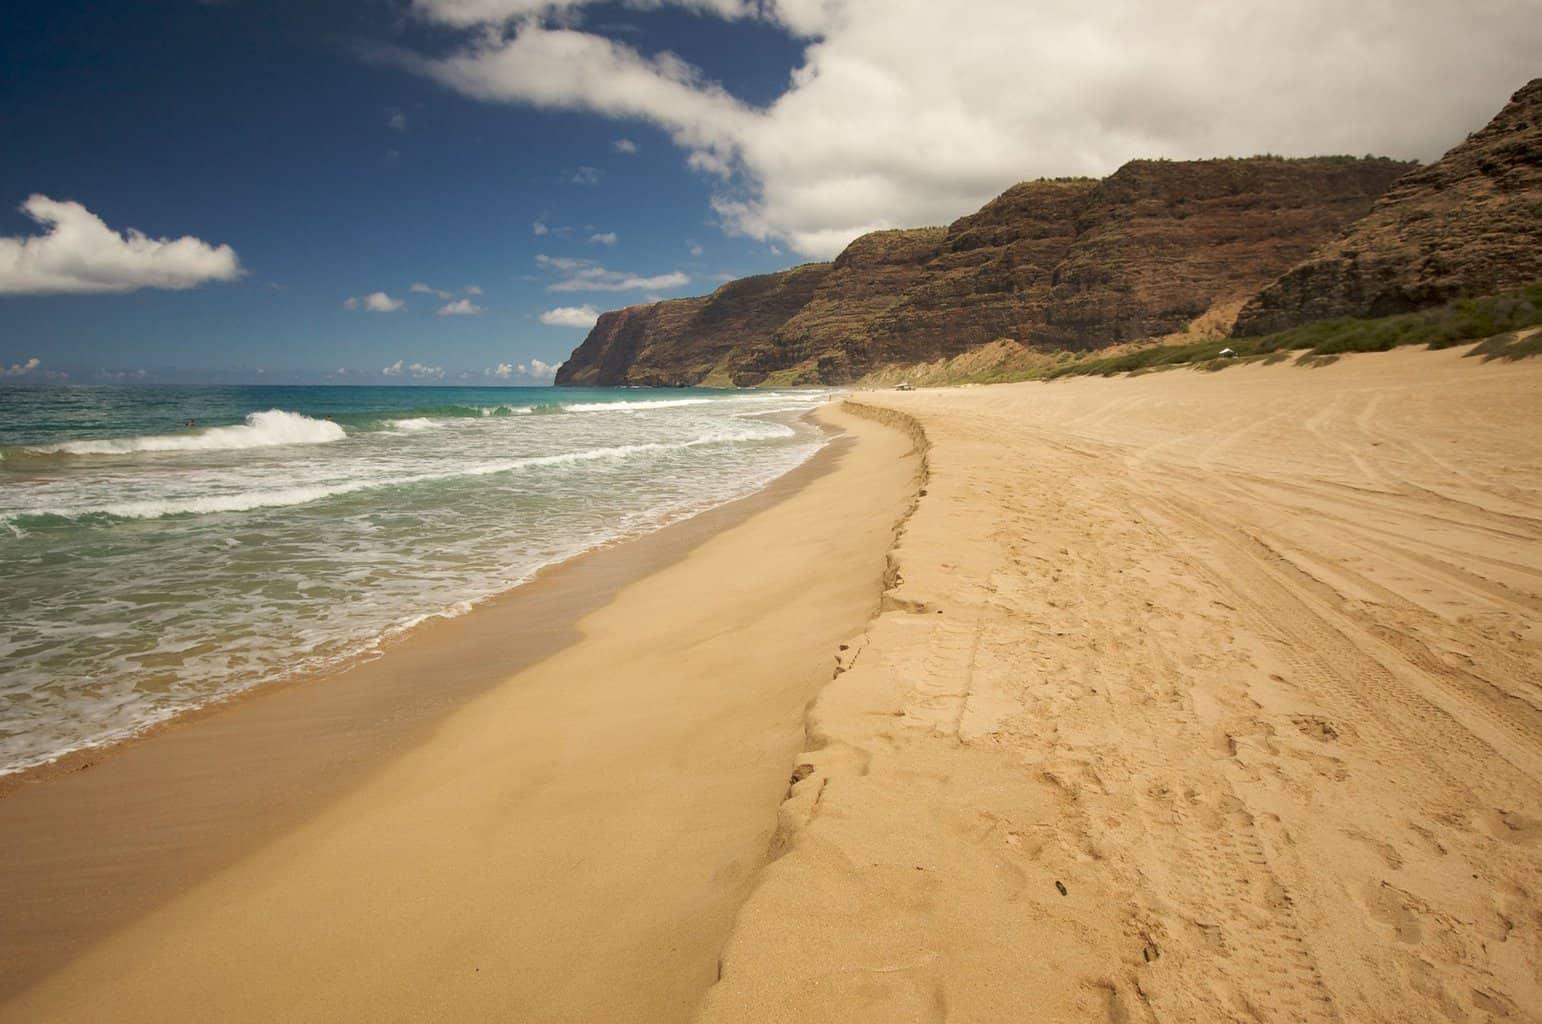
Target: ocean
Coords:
[(162, 548)]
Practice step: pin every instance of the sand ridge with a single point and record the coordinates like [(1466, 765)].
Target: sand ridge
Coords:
[(1196, 697)]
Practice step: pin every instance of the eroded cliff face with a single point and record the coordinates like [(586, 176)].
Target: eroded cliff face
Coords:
[(1469, 224), (1159, 243), (826, 339), (1075, 263), (689, 341)]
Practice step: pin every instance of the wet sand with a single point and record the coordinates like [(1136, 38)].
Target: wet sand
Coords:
[(1199, 697), (548, 809)]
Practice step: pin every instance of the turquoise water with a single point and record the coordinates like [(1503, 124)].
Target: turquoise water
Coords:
[(150, 565)]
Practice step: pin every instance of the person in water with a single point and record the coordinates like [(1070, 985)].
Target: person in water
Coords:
[(190, 423)]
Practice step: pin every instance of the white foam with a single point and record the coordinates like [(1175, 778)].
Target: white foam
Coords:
[(261, 430), (660, 403), (244, 501), (416, 423)]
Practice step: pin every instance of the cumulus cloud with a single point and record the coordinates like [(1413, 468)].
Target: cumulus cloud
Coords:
[(472, 289), (537, 371), (903, 112), (465, 13), (23, 369), (539, 228), (588, 276), (374, 302), (571, 316), (626, 146), (604, 238), (79, 253), (418, 371), (419, 288), (460, 307)]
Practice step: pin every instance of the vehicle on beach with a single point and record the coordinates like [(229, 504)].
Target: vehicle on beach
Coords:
[(904, 385)]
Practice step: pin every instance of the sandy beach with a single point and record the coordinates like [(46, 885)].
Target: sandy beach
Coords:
[(547, 810), (1189, 696), (1200, 697)]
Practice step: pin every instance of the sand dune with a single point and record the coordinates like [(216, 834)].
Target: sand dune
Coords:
[(1198, 697)]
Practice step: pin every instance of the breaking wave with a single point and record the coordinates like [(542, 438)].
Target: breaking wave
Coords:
[(261, 430)]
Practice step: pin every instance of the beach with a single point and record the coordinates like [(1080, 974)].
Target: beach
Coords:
[(1183, 696), (1198, 696), (547, 809)]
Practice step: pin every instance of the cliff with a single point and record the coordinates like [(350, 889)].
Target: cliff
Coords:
[(1469, 224), (685, 341), (1075, 264), (825, 339)]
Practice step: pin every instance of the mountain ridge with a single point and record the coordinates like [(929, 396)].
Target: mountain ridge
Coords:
[(1263, 243)]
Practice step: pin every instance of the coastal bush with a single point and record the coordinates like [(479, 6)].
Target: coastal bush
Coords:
[(1442, 327)]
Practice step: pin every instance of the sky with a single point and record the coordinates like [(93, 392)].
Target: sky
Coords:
[(449, 191)]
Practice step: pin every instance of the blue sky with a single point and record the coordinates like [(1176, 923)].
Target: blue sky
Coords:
[(349, 150), (259, 126)]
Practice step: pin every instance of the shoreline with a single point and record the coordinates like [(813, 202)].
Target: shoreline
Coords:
[(354, 730), (85, 757)]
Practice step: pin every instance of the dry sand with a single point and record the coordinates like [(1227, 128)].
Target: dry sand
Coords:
[(571, 845), (1200, 697)]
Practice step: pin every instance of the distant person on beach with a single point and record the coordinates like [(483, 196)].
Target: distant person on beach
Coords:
[(190, 423)]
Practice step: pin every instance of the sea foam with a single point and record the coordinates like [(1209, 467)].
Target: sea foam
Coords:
[(261, 430)]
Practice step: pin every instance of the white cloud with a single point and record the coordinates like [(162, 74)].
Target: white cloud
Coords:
[(571, 316), (472, 289), (23, 369), (539, 228), (80, 253), (539, 370), (418, 371), (465, 13), (694, 248), (626, 146), (396, 120), (374, 302), (588, 276), (903, 112), (460, 307), (536, 371), (582, 176), (419, 288), (604, 238)]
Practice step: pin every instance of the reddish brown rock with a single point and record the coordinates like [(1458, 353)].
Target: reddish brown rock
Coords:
[(1062, 264), (1469, 224), (826, 339), (991, 279), (686, 341), (1160, 242)]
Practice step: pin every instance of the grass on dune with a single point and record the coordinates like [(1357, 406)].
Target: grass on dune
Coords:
[(1444, 327)]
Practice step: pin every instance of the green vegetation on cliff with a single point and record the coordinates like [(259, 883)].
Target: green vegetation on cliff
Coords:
[(1452, 324)]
